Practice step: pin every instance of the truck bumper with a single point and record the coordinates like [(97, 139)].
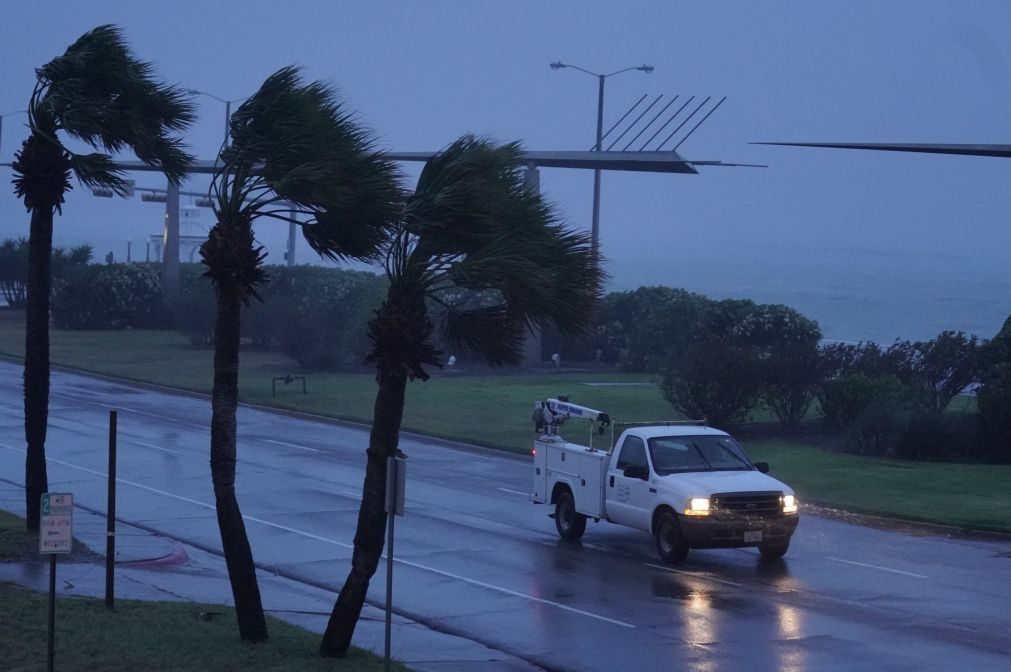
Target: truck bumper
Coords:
[(712, 533)]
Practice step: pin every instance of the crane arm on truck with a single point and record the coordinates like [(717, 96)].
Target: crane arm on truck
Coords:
[(551, 413)]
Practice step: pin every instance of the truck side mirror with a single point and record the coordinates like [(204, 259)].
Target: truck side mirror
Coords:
[(762, 467), (636, 471)]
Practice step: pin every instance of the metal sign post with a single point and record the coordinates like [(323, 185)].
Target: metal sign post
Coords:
[(56, 535), (396, 477), (110, 519)]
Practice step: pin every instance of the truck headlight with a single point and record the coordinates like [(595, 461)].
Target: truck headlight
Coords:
[(790, 504), (697, 506)]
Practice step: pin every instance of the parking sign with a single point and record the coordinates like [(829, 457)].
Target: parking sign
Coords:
[(56, 526)]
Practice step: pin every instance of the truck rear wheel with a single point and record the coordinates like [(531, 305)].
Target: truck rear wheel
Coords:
[(568, 521), (670, 545)]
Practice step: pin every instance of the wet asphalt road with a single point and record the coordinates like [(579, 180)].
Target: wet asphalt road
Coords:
[(475, 557)]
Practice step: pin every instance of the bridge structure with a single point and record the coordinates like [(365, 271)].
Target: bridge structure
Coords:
[(657, 153)]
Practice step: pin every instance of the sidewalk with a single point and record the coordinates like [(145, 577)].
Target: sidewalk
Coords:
[(152, 567)]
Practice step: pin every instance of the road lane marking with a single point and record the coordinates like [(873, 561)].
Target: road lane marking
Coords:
[(291, 445), (883, 569), (513, 593), (694, 575), (164, 418), (309, 535), (514, 492), (4, 409), (151, 445)]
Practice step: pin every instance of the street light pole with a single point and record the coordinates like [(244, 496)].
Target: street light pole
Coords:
[(228, 106), (558, 65), (595, 226)]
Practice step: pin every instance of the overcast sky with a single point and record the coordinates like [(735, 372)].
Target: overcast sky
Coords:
[(423, 73)]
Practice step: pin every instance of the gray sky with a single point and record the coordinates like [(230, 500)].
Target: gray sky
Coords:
[(423, 73)]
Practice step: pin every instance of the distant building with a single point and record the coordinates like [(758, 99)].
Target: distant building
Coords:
[(192, 234)]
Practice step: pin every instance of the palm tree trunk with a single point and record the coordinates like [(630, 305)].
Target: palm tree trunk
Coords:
[(224, 401), (36, 380), (370, 535)]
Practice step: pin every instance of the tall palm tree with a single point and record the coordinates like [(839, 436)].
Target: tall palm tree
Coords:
[(99, 93), (292, 149), (477, 259)]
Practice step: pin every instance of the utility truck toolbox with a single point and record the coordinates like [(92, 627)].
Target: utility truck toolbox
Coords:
[(687, 484)]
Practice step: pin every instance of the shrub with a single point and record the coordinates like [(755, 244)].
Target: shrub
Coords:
[(315, 315), (194, 308), (736, 352), (14, 267), (846, 398), (713, 380), (792, 375), (643, 328), (994, 399), (325, 316), (116, 296), (943, 367), (938, 436)]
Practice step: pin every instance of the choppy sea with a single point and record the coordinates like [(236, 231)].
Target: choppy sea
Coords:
[(854, 294)]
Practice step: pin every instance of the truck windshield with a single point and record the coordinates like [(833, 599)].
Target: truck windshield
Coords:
[(672, 454)]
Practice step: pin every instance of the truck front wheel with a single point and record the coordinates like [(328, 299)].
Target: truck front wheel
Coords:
[(570, 523), (670, 545), (774, 551)]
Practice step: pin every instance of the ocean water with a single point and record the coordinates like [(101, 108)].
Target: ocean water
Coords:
[(853, 294)]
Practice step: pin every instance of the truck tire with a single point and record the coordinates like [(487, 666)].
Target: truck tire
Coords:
[(568, 521), (774, 551), (670, 545)]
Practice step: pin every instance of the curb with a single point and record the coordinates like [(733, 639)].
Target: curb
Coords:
[(328, 419), (891, 523), (177, 556)]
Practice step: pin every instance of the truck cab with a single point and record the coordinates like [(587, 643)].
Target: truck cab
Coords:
[(689, 485)]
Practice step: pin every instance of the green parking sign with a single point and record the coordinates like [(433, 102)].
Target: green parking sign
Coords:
[(56, 525)]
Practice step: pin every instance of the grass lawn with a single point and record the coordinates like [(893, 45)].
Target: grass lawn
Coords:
[(150, 636), (495, 411), (963, 495), (489, 410)]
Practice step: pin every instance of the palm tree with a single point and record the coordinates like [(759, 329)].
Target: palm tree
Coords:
[(98, 93), (292, 150), (484, 258)]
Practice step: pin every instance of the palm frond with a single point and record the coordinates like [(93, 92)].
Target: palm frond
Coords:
[(294, 142), (472, 228), (98, 171), (100, 93)]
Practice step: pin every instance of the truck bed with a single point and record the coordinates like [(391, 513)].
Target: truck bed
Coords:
[(582, 469)]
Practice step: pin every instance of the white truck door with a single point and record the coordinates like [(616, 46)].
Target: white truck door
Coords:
[(629, 498)]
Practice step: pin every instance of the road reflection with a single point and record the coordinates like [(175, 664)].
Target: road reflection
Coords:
[(772, 631)]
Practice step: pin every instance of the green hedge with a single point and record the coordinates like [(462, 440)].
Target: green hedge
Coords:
[(315, 315), (115, 296)]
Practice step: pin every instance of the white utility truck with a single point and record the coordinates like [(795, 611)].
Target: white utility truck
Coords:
[(689, 485)]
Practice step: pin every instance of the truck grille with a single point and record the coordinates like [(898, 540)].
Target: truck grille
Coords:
[(728, 505)]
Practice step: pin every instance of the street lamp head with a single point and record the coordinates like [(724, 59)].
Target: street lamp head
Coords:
[(558, 65), (645, 68)]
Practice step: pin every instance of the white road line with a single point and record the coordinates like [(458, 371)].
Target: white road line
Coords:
[(694, 575), (291, 445), (514, 492), (153, 415), (309, 535), (883, 569), (151, 445), (506, 591)]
